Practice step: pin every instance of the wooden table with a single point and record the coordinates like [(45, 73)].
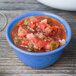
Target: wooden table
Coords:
[(10, 65)]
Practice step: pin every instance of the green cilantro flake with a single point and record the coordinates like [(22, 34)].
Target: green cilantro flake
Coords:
[(53, 31), (25, 22), (40, 42), (31, 47), (53, 44), (26, 46), (30, 29)]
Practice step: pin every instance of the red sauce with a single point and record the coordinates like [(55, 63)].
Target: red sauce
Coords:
[(38, 34)]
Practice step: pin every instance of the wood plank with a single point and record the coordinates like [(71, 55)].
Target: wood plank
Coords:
[(36, 71), (19, 1), (36, 75), (24, 67), (22, 6)]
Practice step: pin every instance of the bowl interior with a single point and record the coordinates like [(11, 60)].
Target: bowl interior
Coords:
[(61, 20)]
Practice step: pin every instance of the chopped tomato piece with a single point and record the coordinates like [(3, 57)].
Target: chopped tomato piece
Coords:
[(33, 26), (32, 23), (47, 30), (38, 43), (53, 30), (21, 32), (42, 25), (24, 42), (33, 20), (20, 22), (48, 47), (34, 40)]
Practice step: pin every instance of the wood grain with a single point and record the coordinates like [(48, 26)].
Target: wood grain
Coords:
[(36, 75), (10, 65)]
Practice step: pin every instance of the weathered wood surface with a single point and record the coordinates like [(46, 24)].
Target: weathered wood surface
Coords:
[(10, 65)]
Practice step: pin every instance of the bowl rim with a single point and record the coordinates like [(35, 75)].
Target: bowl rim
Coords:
[(60, 19)]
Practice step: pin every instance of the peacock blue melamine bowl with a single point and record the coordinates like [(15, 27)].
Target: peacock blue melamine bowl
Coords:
[(38, 60)]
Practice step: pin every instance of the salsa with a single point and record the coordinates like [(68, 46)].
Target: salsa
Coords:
[(38, 34)]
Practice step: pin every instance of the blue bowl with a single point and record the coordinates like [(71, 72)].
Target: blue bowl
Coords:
[(38, 60)]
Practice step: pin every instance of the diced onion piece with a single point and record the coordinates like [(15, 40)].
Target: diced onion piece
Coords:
[(48, 30), (29, 36), (40, 35), (57, 26), (44, 20), (62, 42), (48, 47), (21, 32)]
